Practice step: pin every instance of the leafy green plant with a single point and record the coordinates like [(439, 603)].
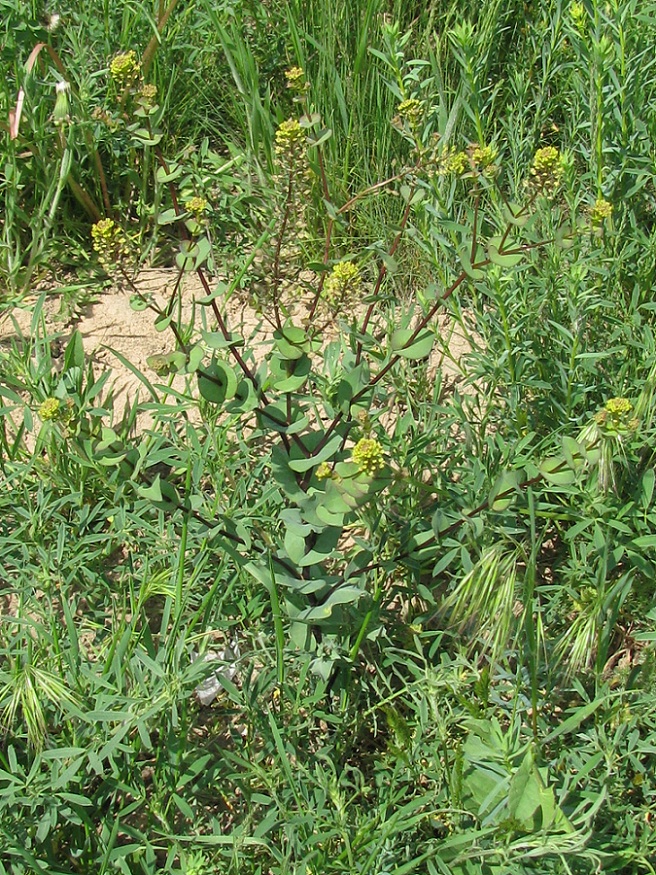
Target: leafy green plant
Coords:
[(419, 597)]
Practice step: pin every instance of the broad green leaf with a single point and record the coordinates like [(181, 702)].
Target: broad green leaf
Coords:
[(137, 303), (556, 471), (497, 250), (504, 490), (323, 455), (245, 398), (288, 375), (167, 217), (343, 595), (291, 342), (516, 215), (465, 255), (216, 340), (217, 382), (419, 348), (575, 453), (161, 493), (525, 791)]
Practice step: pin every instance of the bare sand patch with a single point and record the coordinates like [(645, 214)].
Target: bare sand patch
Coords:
[(114, 333)]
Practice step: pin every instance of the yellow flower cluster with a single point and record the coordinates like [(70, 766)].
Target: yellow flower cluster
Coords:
[(109, 242), (483, 158), (602, 210), (547, 169), (344, 277), (296, 80), (124, 68), (616, 416), (196, 206), (146, 96), (411, 111), (368, 456), (289, 136), (291, 148), (50, 409), (447, 160), (324, 471)]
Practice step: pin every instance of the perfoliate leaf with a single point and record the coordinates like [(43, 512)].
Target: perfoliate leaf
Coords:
[(217, 382), (556, 471), (504, 490), (419, 348)]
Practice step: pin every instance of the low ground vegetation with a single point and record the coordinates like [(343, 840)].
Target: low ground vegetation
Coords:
[(311, 601)]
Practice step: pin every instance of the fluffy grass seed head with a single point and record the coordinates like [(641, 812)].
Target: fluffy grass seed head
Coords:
[(368, 456), (52, 20), (61, 114), (547, 169), (124, 68)]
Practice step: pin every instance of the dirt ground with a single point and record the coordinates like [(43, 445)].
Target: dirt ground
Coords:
[(110, 325)]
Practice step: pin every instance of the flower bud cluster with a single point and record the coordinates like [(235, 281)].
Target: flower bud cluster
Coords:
[(291, 142), (124, 68), (547, 170), (196, 206), (296, 80), (411, 111), (109, 242), (344, 280), (50, 409), (616, 416), (601, 211), (368, 456)]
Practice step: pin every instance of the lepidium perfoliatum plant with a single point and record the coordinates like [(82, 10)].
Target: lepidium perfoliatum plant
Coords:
[(316, 404)]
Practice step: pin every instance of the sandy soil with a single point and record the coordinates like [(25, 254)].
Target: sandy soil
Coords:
[(110, 325)]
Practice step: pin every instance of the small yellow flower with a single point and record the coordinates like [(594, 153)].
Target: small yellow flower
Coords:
[(109, 242), (196, 205), (50, 409), (324, 471), (411, 111), (547, 169), (602, 210), (296, 80), (483, 158), (344, 277), (368, 456), (124, 68)]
